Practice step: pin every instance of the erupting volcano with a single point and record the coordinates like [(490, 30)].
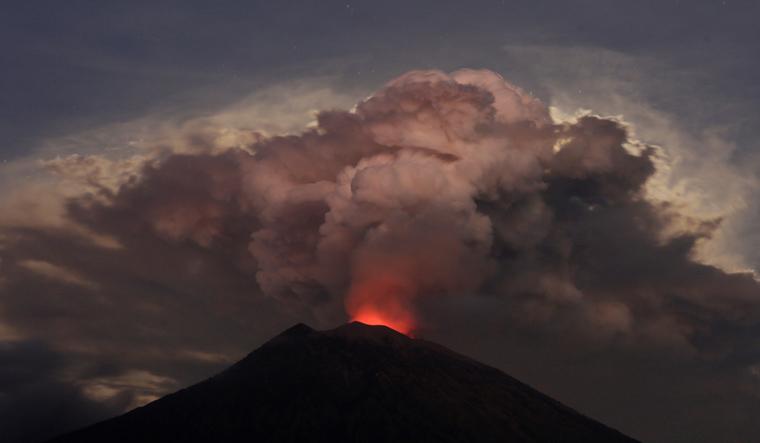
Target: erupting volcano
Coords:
[(371, 315), (442, 200), (383, 300)]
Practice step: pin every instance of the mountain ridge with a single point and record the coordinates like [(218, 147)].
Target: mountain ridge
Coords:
[(354, 383)]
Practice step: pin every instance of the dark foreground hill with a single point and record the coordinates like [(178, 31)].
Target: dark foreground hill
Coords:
[(356, 383)]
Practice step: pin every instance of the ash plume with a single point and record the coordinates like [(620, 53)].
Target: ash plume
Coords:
[(437, 185)]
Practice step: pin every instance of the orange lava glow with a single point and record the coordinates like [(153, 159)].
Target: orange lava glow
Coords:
[(370, 316), (383, 299)]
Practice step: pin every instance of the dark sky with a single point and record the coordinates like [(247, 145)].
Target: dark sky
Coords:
[(599, 244)]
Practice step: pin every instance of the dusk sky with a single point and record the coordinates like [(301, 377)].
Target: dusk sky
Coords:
[(567, 191)]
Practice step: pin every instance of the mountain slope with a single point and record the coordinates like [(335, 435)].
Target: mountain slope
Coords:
[(356, 383)]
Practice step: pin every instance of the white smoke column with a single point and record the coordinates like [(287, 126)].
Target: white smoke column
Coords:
[(403, 220)]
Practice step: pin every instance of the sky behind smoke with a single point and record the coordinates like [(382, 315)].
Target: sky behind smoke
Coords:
[(182, 182)]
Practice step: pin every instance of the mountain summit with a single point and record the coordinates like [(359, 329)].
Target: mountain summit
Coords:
[(356, 383)]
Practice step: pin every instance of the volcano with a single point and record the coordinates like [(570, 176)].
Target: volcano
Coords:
[(356, 383)]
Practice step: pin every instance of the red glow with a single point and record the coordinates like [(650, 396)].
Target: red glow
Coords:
[(383, 299), (370, 316)]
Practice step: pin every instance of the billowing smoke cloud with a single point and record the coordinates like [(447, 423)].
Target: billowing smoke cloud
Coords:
[(440, 185), (446, 205)]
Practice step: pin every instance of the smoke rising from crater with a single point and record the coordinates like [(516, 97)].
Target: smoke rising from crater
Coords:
[(437, 185)]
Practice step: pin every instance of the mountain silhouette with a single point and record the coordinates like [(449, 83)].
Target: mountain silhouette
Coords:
[(356, 383)]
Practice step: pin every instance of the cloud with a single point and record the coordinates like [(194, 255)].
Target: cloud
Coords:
[(58, 272), (440, 184), (38, 403), (708, 169), (440, 199), (150, 386)]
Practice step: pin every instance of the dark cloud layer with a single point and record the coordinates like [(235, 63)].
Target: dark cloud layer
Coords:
[(76, 67), (438, 194), (36, 403)]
